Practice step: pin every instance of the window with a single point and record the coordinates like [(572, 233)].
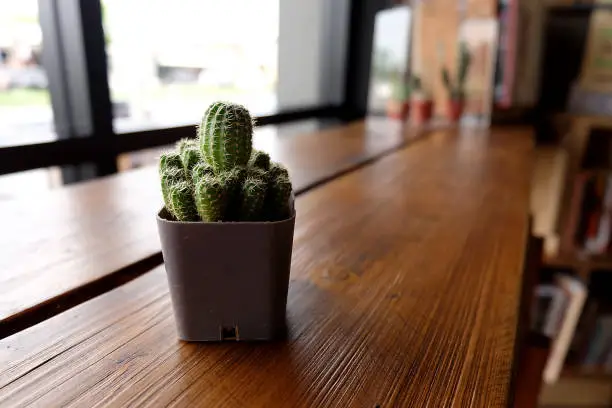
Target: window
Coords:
[(126, 76), (390, 63), (25, 106), (168, 59)]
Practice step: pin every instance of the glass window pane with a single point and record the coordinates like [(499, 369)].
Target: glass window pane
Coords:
[(25, 105), (388, 73), (170, 58)]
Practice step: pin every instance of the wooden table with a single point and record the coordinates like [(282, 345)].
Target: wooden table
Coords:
[(69, 245), (405, 287)]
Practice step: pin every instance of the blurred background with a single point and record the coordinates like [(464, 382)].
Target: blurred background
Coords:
[(89, 88)]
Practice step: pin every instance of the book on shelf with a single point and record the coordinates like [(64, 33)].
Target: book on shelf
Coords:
[(576, 293), (607, 366), (549, 307), (580, 328), (557, 309), (589, 228), (583, 336), (599, 351)]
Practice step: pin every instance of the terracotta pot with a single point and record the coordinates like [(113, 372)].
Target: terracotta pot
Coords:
[(455, 110), (422, 111), (398, 109), (227, 280)]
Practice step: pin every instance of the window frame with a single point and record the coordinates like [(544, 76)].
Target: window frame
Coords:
[(75, 60)]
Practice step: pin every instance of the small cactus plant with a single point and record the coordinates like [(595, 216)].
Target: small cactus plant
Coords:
[(456, 89), (226, 134), (220, 177), (418, 90), (402, 88)]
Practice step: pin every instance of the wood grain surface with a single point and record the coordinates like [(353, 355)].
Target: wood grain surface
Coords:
[(405, 291), (69, 245)]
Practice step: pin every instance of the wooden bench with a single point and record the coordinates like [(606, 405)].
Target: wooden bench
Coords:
[(69, 245), (405, 291)]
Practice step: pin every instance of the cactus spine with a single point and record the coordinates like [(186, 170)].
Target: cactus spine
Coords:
[(220, 177)]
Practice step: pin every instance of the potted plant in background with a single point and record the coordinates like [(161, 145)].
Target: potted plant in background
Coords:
[(226, 231), (398, 107), (456, 87), (422, 103)]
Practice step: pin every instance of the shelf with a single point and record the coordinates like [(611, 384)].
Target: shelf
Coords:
[(573, 261), (591, 374), (586, 7)]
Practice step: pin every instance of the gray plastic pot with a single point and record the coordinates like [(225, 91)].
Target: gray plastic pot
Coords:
[(228, 280)]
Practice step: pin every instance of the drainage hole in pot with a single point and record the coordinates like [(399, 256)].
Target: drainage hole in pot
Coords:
[(229, 333)]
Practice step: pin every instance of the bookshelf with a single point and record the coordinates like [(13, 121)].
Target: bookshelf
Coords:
[(579, 131), (582, 266), (587, 143), (594, 374)]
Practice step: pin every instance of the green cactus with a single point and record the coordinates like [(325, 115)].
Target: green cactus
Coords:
[(226, 134), (189, 153), (277, 170), (279, 195), (456, 90), (169, 160), (260, 160), (186, 143), (182, 201), (170, 172), (233, 180), (465, 60), (168, 178), (256, 172), (253, 199), (200, 170), (220, 177), (211, 198), (401, 87)]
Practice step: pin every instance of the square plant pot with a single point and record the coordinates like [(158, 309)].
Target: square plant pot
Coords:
[(228, 280)]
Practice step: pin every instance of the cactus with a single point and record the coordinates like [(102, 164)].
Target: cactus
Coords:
[(168, 178), (260, 160), (220, 177), (465, 60), (200, 170), (189, 153), (170, 172), (255, 172), (456, 90), (183, 144), (401, 88), (277, 170), (226, 135), (233, 180), (253, 198), (279, 194), (211, 198), (169, 160), (182, 201), (418, 89)]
